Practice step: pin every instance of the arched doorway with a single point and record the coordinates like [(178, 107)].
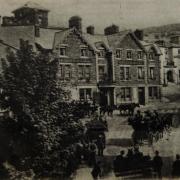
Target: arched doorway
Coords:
[(170, 76)]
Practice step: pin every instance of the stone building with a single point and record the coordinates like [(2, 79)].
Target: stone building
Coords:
[(111, 68), (114, 68)]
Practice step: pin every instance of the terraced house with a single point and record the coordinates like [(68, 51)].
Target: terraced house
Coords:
[(117, 67), (110, 68)]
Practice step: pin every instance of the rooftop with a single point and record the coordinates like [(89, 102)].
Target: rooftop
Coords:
[(31, 5)]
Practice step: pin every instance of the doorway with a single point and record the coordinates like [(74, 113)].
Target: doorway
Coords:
[(170, 76), (141, 95)]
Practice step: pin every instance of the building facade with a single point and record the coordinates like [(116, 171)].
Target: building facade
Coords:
[(111, 68)]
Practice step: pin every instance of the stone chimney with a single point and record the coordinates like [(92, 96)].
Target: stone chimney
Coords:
[(75, 21), (139, 34), (113, 29), (90, 30)]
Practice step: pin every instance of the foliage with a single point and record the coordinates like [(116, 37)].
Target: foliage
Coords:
[(42, 125)]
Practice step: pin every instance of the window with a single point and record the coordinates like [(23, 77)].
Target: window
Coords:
[(153, 92), (129, 54), (64, 71), (178, 51), (101, 54), (152, 73), (67, 73), (125, 94), (151, 56), (101, 72), (140, 55), (63, 51), (84, 72), (84, 52), (140, 72), (85, 94), (118, 53), (125, 73)]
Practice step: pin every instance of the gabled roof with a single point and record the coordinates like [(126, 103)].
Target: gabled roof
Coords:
[(90, 40), (31, 5), (117, 38), (97, 40), (148, 46)]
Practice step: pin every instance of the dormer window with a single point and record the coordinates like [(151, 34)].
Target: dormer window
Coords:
[(129, 54), (151, 56), (140, 55), (118, 53), (63, 51), (84, 52), (101, 53)]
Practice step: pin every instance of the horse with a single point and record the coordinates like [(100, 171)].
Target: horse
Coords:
[(127, 108)]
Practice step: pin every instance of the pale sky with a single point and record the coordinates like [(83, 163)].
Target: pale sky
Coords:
[(101, 13)]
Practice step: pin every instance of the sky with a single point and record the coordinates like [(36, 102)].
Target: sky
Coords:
[(127, 14)]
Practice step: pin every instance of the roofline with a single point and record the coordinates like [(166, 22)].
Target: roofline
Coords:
[(2, 42), (23, 7)]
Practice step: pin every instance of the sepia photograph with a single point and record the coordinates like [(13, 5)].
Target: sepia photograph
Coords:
[(89, 89)]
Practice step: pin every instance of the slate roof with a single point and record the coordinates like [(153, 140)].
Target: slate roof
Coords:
[(31, 5), (11, 35), (46, 39), (96, 41)]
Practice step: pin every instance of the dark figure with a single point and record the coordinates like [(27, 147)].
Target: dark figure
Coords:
[(92, 154), (157, 163), (100, 145), (119, 162), (176, 167), (96, 171)]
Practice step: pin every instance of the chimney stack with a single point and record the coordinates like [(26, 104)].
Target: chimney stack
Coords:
[(139, 34), (90, 30), (113, 29), (75, 21)]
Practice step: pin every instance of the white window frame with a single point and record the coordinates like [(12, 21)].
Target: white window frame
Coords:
[(101, 49), (131, 54), (63, 46), (125, 74), (140, 51), (121, 50), (143, 72), (154, 77), (62, 77)]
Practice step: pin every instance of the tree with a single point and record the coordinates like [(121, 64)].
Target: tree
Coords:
[(42, 126)]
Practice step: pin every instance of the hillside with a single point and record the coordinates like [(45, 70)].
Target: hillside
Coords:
[(163, 29)]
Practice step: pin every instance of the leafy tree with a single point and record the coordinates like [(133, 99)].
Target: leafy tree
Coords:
[(42, 126)]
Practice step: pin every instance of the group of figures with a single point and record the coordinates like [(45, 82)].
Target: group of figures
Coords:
[(150, 126), (88, 108), (134, 162)]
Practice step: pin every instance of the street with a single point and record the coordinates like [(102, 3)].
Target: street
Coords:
[(119, 138)]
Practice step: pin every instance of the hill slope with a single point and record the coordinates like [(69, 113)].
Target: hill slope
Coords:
[(163, 29)]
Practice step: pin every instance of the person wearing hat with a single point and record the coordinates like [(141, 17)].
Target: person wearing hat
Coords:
[(157, 163), (176, 167)]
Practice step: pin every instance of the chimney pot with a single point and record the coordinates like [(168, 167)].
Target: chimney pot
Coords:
[(90, 30)]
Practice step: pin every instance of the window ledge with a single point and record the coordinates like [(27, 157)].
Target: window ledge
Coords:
[(84, 57), (63, 56)]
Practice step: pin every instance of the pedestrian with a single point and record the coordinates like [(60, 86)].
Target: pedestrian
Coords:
[(92, 153), (119, 162), (96, 171), (176, 167), (157, 164), (100, 145)]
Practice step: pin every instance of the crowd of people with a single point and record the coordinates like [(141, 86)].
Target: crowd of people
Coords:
[(134, 159), (150, 125)]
